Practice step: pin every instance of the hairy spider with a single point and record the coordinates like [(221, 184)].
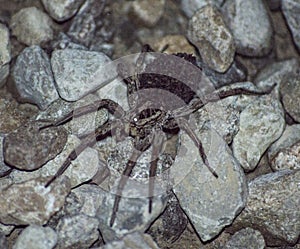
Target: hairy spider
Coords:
[(149, 115)]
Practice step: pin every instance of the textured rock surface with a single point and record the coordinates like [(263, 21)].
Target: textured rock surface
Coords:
[(37, 84), (3, 241), (36, 237), (210, 203), (61, 10), (261, 123), (134, 240), (290, 94), (31, 203), (274, 195), (31, 26), (28, 148), (189, 7), (76, 232), (79, 72), (250, 25), (4, 168), (246, 238), (216, 48), (5, 55)]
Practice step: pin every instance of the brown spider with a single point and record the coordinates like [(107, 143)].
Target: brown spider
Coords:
[(148, 116)]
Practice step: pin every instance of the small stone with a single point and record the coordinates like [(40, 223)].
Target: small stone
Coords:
[(189, 7), (273, 207), (28, 148), (31, 26), (216, 48), (3, 241), (290, 9), (261, 123), (250, 25), (246, 238), (147, 14), (5, 55), (35, 84), (79, 72), (76, 232), (36, 237), (62, 10), (290, 95), (134, 240), (210, 203), (31, 203)]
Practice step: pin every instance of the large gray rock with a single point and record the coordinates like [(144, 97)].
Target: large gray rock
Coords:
[(210, 203), (216, 48), (33, 77), (36, 237), (31, 26), (61, 10), (79, 72), (250, 25), (273, 207)]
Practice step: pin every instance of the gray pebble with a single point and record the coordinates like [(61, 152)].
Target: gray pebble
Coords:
[(290, 9), (250, 25), (77, 232), (31, 203), (210, 203), (79, 72), (216, 48), (61, 10), (246, 238), (5, 54), (33, 77), (31, 26), (189, 7), (28, 148), (273, 207), (36, 237)]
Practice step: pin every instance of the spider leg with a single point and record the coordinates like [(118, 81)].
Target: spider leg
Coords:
[(89, 140), (110, 105), (183, 124)]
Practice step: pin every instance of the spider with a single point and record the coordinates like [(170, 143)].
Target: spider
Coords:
[(148, 117)]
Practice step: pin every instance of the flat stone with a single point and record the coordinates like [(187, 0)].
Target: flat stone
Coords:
[(31, 26), (189, 7), (35, 84), (79, 72), (76, 232), (273, 207), (261, 123), (31, 203), (216, 48), (246, 238), (36, 237), (210, 203), (250, 25), (290, 8), (62, 10), (28, 148)]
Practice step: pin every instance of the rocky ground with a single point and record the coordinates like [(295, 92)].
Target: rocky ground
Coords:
[(56, 56)]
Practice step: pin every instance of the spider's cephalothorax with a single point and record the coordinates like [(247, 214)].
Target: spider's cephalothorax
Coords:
[(150, 115)]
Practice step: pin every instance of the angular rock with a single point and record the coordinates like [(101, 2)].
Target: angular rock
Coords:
[(76, 232), (79, 72), (31, 203), (284, 153), (273, 207), (5, 55), (147, 14), (216, 48), (290, 10), (134, 240), (61, 10), (290, 95), (246, 238), (250, 25), (36, 237), (28, 148), (189, 7), (33, 77), (32, 26), (210, 203), (261, 123)]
